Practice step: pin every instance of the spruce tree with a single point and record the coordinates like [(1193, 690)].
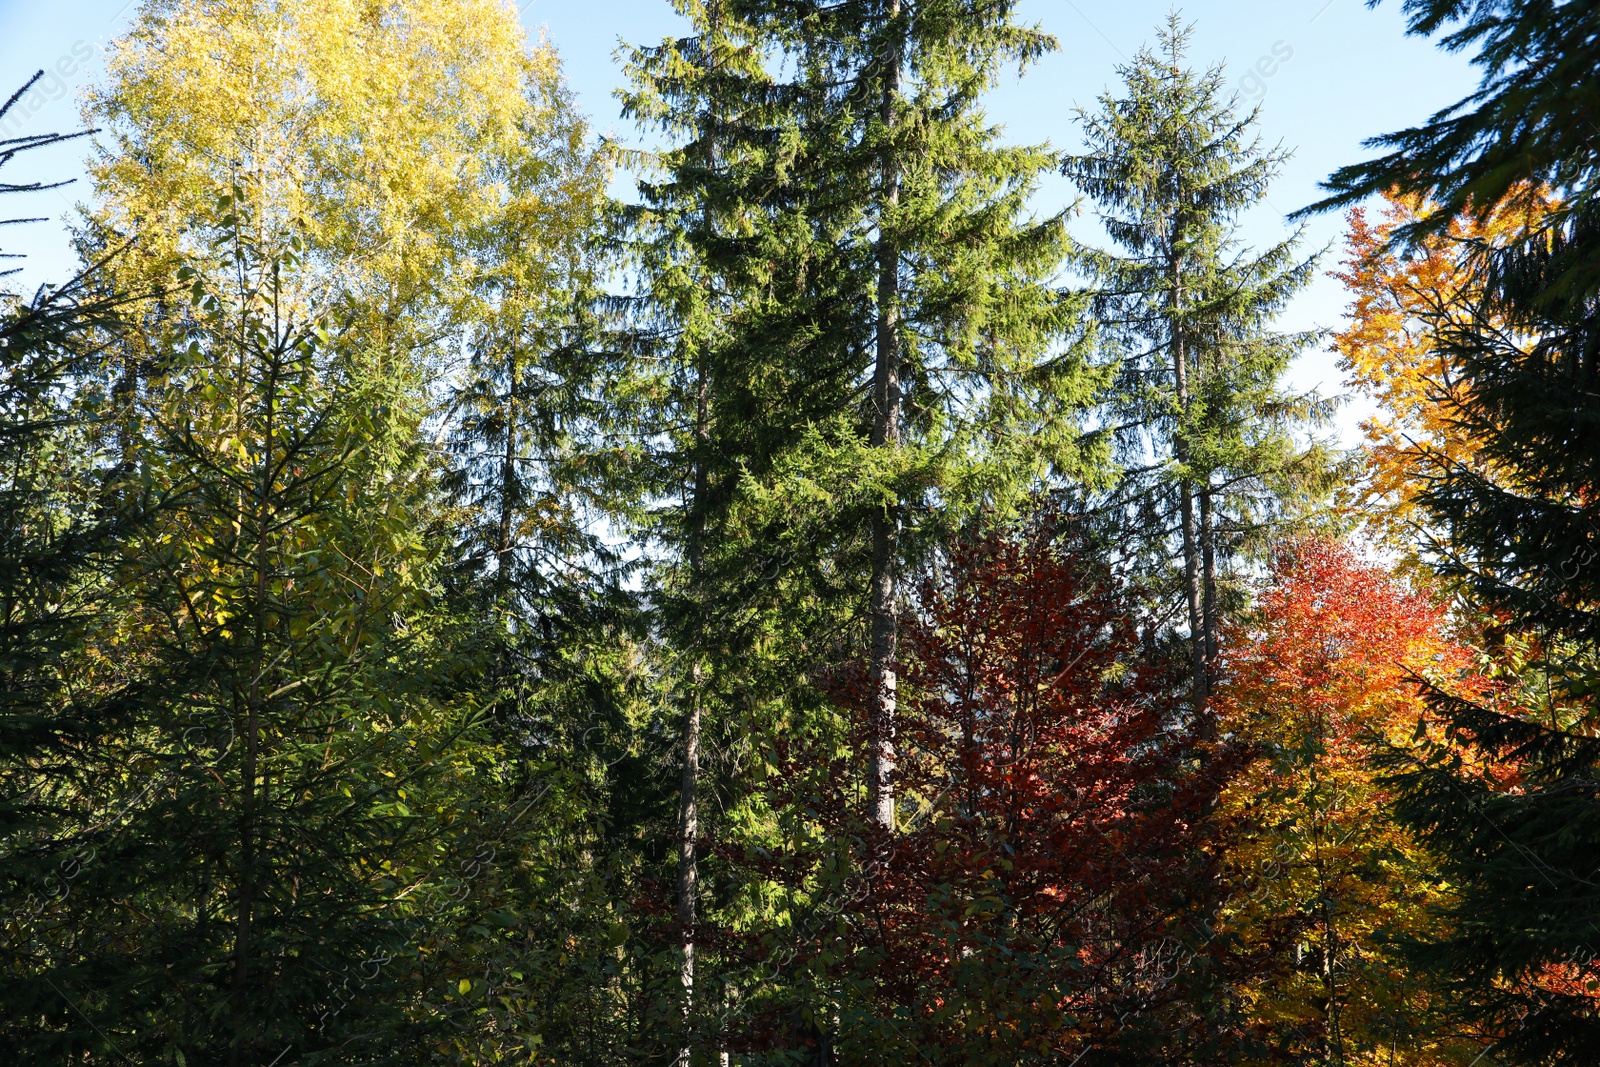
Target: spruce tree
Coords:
[(1205, 428), (720, 413), (276, 701), (871, 352), (1518, 523), (1530, 123), (62, 525)]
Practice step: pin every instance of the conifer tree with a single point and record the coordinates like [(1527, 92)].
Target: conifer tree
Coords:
[(60, 530), (1509, 803), (527, 411), (273, 701), (698, 91), (1205, 428), (968, 344), (870, 353), (412, 178)]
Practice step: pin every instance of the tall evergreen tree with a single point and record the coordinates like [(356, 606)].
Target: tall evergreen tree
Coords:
[(698, 91), (273, 699), (1519, 521), (704, 92), (445, 193), (527, 418), (61, 527), (870, 351), (1531, 123), (1205, 427)]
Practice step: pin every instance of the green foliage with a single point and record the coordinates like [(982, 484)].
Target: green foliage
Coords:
[(280, 721), (802, 161), (1530, 122), (1210, 441), (416, 651), (1519, 534)]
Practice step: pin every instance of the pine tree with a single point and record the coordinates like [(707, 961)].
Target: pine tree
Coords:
[(447, 196), (527, 413), (1205, 427), (539, 463), (1519, 531)]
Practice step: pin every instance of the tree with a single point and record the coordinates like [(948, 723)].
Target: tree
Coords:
[(274, 701), (945, 282), (529, 416), (1518, 521), (1529, 124), (1508, 804), (695, 299), (833, 212), (61, 529), (380, 132), (1320, 683), (1047, 900), (1205, 429), (1391, 351), (398, 140), (401, 183), (1518, 536)]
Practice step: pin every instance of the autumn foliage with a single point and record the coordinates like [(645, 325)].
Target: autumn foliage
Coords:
[(1044, 896), (1401, 304), (1322, 679)]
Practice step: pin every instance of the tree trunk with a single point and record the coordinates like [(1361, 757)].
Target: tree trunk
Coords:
[(1191, 527), (689, 786), (1208, 567), (886, 399), (508, 487), (243, 931), (688, 857), (1193, 595)]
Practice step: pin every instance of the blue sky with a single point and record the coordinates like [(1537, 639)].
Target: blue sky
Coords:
[(1350, 73)]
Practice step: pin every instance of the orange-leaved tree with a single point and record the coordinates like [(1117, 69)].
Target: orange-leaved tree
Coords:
[(1402, 301), (1326, 884)]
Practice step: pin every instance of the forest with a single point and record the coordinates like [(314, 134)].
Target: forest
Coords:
[(472, 593)]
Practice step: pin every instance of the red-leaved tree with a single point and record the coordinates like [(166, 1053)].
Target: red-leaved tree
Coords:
[(1045, 895)]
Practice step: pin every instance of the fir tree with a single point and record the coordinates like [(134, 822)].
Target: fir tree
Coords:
[(1518, 529), (62, 524), (703, 92), (1517, 519), (1531, 123), (279, 698), (871, 351), (1205, 428)]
